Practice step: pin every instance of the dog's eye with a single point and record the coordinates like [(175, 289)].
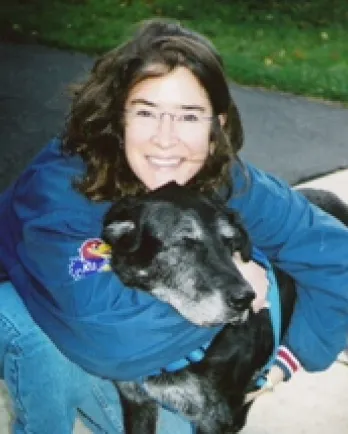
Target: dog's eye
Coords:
[(230, 241), (191, 242), (239, 242)]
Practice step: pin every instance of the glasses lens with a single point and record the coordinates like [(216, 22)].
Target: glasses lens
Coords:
[(183, 123)]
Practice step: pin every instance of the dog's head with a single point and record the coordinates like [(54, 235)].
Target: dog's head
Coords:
[(177, 245)]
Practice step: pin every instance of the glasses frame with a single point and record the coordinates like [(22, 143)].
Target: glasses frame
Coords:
[(174, 117)]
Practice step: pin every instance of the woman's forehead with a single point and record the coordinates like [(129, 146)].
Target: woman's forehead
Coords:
[(176, 89)]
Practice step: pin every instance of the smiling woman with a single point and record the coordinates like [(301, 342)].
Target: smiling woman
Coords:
[(176, 74)]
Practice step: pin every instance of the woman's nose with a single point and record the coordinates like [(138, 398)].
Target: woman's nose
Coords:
[(165, 136)]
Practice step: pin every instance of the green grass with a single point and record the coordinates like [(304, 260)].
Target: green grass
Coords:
[(289, 45)]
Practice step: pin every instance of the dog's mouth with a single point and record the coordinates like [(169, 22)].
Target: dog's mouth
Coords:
[(235, 320), (240, 318)]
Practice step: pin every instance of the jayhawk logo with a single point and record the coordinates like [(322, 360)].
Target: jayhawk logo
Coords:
[(94, 257)]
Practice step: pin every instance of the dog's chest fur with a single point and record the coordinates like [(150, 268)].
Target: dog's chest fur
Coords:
[(184, 391)]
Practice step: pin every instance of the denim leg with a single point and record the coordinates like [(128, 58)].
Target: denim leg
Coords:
[(172, 423), (47, 390), (102, 413)]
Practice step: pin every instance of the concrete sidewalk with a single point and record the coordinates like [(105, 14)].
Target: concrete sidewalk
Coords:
[(308, 404)]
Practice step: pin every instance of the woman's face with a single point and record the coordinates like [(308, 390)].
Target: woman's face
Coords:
[(167, 128)]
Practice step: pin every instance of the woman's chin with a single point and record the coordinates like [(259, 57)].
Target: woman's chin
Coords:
[(160, 182)]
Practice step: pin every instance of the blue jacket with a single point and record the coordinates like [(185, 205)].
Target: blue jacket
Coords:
[(115, 332)]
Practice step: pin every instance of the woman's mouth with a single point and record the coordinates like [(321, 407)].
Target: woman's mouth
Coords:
[(160, 162)]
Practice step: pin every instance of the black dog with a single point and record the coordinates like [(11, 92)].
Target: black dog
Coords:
[(178, 245)]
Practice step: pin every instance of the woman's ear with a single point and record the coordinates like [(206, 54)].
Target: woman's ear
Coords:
[(211, 148), (222, 119)]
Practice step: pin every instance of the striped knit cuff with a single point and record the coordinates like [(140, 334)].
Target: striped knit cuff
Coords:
[(287, 362)]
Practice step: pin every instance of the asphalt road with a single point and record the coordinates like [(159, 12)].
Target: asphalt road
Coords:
[(292, 137)]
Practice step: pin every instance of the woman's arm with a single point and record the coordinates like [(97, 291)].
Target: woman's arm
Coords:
[(312, 247)]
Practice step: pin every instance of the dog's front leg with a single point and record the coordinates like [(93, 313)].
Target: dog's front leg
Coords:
[(139, 418)]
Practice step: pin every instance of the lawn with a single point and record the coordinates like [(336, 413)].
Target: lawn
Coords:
[(290, 45)]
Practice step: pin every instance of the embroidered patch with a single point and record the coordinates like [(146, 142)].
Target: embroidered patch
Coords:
[(94, 257)]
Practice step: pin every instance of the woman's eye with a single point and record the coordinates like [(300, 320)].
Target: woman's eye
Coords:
[(145, 114), (189, 117)]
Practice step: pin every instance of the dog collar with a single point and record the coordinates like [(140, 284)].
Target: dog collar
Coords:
[(194, 357)]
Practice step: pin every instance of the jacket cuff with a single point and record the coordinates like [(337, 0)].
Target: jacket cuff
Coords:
[(287, 362)]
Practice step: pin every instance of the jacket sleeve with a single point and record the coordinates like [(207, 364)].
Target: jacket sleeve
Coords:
[(310, 246)]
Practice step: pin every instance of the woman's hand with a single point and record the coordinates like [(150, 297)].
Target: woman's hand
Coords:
[(274, 377), (257, 277)]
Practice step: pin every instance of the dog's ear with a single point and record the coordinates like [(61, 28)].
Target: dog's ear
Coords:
[(241, 240), (121, 227), (121, 234)]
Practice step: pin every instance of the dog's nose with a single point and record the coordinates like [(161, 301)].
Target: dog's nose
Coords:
[(242, 300)]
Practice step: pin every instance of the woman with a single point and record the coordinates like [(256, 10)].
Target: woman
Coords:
[(153, 110)]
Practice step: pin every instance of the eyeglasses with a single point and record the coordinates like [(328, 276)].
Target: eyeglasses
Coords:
[(185, 122)]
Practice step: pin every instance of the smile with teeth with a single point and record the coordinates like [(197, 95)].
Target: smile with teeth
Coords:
[(164, 162)]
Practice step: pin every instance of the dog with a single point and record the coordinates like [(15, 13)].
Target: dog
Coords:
[(178, 245)]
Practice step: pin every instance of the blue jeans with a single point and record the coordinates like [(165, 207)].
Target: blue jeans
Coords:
[(48, 391)]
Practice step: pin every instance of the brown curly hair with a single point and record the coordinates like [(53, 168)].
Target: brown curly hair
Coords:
[(95, 126)]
